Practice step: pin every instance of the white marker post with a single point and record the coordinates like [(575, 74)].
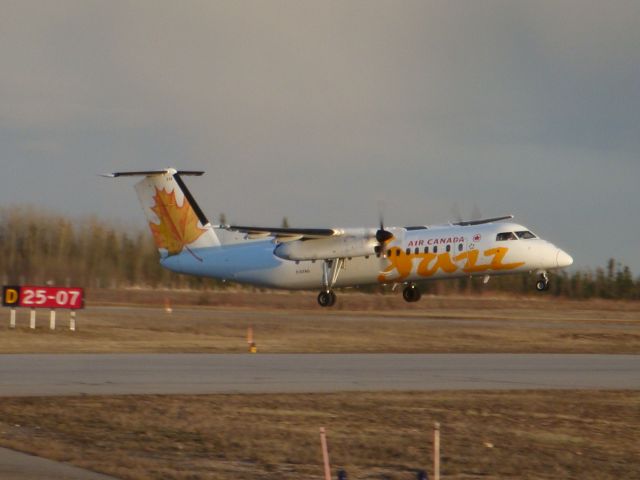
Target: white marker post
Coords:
[(72, 320), (12, 320), (32, 321), (436, 451), (52, 320), (325, 454)]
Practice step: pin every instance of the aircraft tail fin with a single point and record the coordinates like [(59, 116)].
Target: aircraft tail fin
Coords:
[(176, 220)]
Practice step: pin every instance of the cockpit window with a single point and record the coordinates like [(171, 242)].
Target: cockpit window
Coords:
[(501, 237), (525, 235)]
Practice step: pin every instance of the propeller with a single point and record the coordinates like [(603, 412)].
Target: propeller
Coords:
[(455, 211), (382, 236), (476, 214)]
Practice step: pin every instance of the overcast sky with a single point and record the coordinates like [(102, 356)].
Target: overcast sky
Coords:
[(321, 111)]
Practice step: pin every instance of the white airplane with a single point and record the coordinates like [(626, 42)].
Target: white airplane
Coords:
[(326, 258)]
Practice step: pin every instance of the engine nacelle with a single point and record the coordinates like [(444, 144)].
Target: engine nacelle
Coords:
[(323, 248)]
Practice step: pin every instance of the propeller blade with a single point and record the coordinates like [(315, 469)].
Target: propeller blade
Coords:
[(455, 211), (383, 235), (476, 214)]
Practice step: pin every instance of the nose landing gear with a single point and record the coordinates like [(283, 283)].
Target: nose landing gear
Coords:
[(411, 293), (542, 284)]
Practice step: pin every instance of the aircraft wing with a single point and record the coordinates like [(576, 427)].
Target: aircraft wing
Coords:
[(482, 221), (284, 234)]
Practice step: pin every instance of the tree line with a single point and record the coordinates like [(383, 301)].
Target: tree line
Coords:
[(44, 247)]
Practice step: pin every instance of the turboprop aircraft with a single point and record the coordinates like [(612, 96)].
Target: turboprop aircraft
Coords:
[(326, 258)]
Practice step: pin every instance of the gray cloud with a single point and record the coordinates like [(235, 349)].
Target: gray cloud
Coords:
[(318, 110)]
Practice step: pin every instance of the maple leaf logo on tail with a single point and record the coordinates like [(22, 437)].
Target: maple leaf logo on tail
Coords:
[(178, 227)]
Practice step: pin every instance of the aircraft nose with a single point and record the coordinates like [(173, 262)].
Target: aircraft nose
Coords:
[(563, 259)]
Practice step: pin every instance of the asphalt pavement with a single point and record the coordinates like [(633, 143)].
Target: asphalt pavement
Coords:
[(20, 466), (117, 374)]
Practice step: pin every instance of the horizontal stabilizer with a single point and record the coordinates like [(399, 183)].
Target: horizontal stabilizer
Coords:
[(150, 173)]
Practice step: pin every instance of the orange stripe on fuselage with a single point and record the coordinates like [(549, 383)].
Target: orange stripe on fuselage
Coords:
[(402, 264)]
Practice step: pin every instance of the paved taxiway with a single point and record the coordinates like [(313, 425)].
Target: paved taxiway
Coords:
[(106, 374), (20, 466)]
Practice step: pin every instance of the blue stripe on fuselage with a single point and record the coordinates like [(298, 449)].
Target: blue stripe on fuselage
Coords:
[(252, 262)]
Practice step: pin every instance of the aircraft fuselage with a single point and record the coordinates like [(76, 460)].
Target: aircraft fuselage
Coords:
[(413, 255), (324, 258)]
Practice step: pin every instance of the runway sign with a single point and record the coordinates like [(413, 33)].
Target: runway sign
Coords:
[(30, 296)]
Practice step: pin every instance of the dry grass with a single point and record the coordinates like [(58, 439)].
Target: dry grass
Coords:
[(292, 322), (488, 435)]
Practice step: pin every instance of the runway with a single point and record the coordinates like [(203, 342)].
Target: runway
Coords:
[(21, 466), (109, 374)]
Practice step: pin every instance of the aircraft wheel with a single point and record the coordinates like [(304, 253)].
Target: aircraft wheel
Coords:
[(326, 298), (542, 285), (411, 293), (333, 298)]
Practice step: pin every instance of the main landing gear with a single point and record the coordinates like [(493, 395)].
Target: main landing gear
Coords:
[(411, 293), (542, 284), (330, 271), (326, 298)]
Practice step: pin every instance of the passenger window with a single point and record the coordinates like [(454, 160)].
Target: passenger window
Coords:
[(448, 248), (426, 249), (416, 251), (408, 251), (398, 252), (435, 249), (503, 236), (525, 235), (460, 247)]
